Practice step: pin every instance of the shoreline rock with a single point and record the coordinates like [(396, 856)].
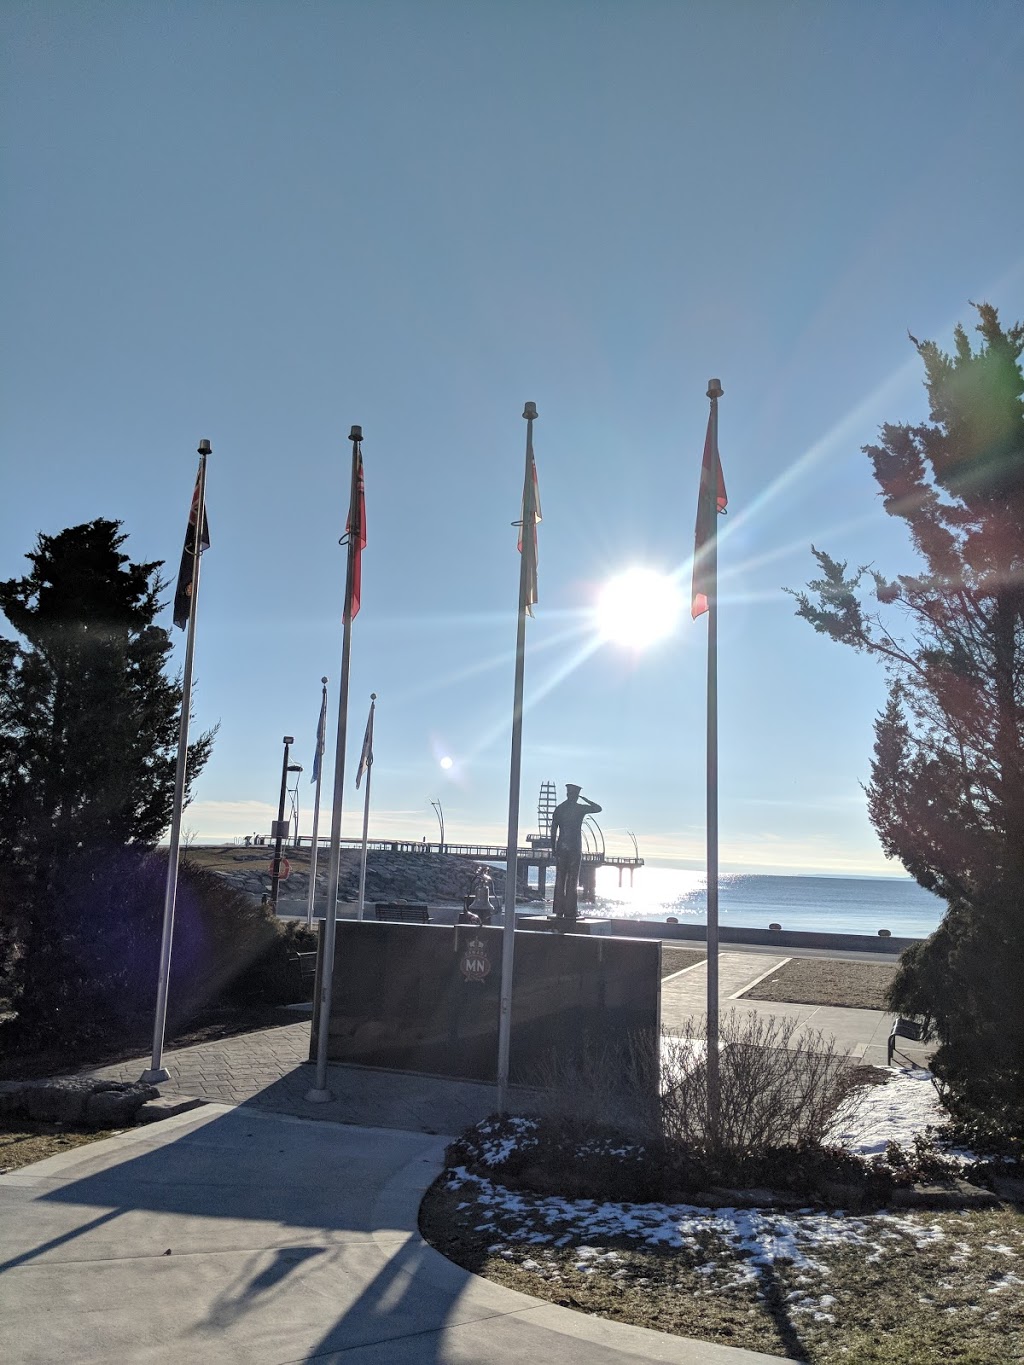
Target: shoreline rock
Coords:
[(426, 877)]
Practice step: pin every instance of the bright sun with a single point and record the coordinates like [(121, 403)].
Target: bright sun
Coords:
[(638, 607)]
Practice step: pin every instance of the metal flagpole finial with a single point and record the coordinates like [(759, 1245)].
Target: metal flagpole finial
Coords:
[(373, 696), (715, 389), (324, 681), (204, 447), (530, 411), (356, 434)]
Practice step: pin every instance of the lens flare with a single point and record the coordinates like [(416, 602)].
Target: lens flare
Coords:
[(638, 607)]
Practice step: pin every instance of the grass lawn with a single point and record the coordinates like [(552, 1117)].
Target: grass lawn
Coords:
[(678, 959), (903, 1288), (22, 1141), (822, 981)]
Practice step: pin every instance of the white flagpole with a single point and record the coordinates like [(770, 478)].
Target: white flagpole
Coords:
[(511, 856), (319, 1094), (157, 1071), (711, 492), (366, 801), (314, 845)]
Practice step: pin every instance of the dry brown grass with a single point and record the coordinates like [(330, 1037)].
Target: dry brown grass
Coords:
[(678, 959), (938, 1289), (238, 858), (823, 981), (23, 1141)]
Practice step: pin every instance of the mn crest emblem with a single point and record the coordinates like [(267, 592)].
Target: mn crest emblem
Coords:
[(475, 964)]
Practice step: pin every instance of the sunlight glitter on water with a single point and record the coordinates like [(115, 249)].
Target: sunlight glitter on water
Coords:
[(826, 904)]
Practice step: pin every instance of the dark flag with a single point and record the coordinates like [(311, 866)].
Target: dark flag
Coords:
[(321, 736), (528, 530), (355, 528), (710, 501), (183, 592), (366, 757)]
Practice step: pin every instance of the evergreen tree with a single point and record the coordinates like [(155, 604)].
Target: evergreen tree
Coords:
[(88, 743), (946, 794)]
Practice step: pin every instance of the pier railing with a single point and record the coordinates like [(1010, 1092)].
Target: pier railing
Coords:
[(485, 853)]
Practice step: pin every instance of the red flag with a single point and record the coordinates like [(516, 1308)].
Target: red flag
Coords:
[(531, 516), (355, 529), (710, 501)]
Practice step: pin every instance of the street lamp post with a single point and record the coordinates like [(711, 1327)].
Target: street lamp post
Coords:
[(280, 826), (295, 768), (440, 819)]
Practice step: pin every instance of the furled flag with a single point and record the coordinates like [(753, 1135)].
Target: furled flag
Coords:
[(710, 501), (183, 592), (321, 735), (366, 757), (528, 528), (355, 529)]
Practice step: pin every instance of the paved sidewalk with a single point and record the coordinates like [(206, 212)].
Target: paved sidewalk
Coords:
[(228, 1235), (864, 1033), (279, 1230)]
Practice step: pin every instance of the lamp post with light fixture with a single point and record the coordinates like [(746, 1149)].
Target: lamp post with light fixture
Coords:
[(280, 825), (295, 768)]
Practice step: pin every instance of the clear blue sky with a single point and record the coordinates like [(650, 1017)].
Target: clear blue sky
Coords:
[(262, 222)]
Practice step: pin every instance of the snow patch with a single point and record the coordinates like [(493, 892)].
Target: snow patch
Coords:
[(894, 1112)]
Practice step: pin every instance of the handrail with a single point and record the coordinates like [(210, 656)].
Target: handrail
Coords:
[(497, 853)]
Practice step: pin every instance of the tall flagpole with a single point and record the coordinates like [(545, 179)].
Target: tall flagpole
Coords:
[(314, 845), (319, 1094), (366, 801), (157, 1071), (715, 391), (511, 857)]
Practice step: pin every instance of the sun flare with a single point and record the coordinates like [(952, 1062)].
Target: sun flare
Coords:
[(638, 607)]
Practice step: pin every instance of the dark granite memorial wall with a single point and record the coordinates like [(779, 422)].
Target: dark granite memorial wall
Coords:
[(414, 997)]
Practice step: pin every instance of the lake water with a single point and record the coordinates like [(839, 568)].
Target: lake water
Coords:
[(837, 905)]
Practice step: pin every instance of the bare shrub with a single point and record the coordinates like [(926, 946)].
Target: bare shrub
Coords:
[(604, 1085), (779, 1086)]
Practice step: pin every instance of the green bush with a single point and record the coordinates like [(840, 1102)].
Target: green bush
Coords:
[(271, 977), (965, 981), (94, 973)]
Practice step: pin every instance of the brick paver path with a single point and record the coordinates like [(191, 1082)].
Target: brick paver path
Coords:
[(268, 1068)]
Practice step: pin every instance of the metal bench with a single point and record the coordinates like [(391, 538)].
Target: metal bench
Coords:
[(903, 1028), (305, 969), (403, 912)]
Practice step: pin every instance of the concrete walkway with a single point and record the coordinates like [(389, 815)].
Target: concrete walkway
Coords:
[(864, 1033), (264, 1229), (231, 1235)]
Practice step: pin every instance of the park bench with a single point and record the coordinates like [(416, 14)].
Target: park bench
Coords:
[(903, 1028), (305, 970), (403, 912)]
